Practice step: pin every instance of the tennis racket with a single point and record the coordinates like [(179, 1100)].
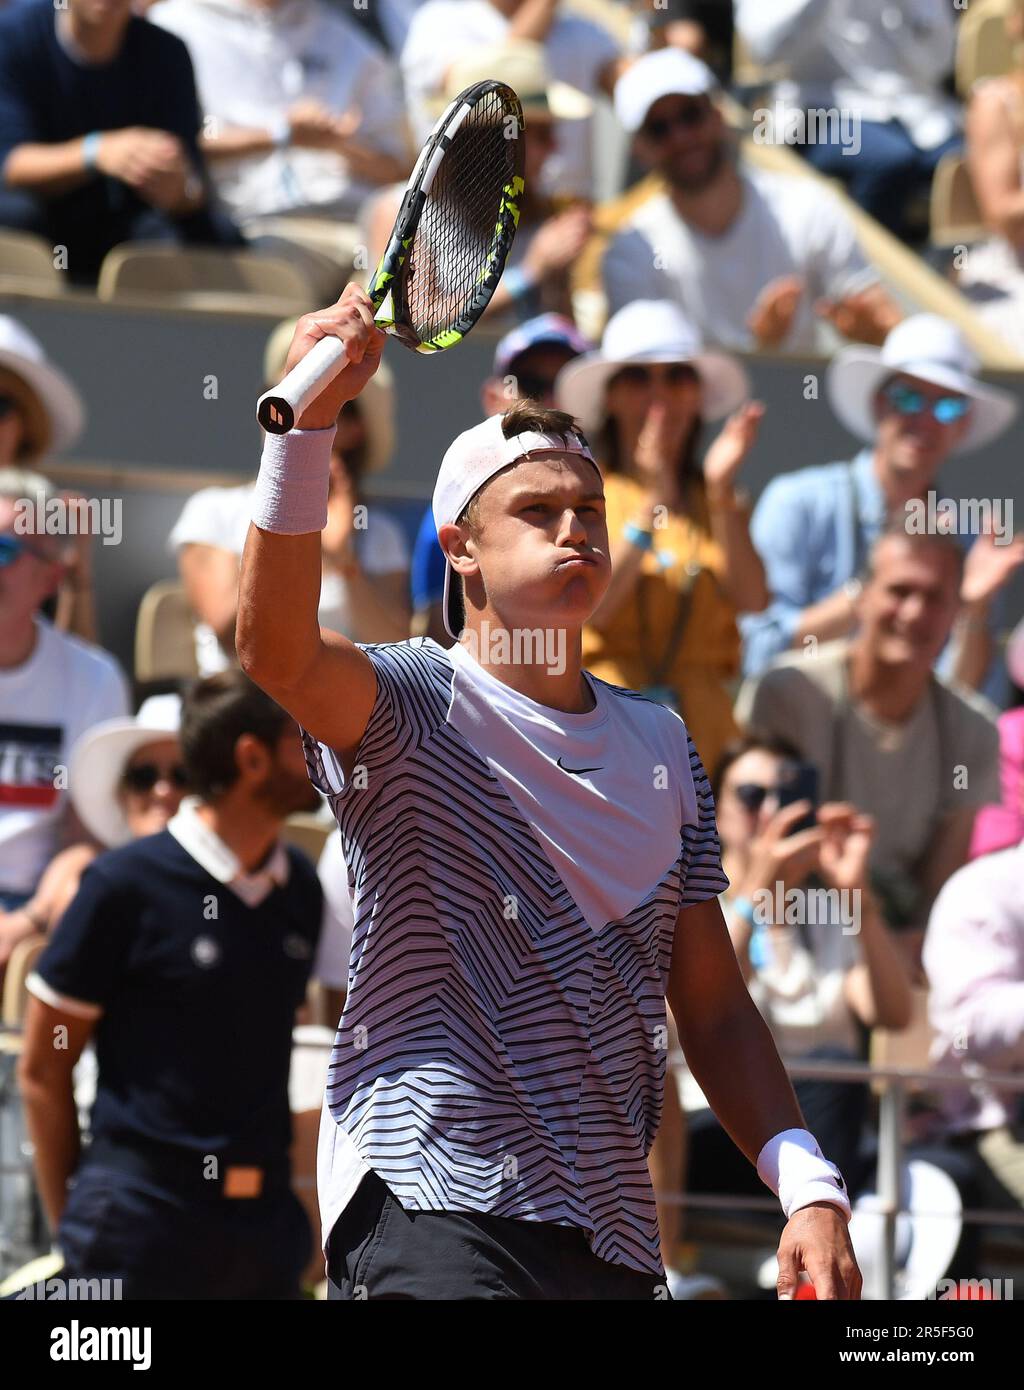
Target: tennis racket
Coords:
[(448, 247)]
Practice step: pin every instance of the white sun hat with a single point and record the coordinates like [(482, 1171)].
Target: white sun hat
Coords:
[(932, 349), (667, 72), (23, 355), (99, 758), (649, 330), (472, 459)]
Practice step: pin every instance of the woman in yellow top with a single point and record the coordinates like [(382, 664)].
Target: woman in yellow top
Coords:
[(683, 563)]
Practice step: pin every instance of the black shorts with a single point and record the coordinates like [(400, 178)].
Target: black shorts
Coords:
[(377, 1249)]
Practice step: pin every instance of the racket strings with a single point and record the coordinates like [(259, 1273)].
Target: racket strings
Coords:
[(457, 228)]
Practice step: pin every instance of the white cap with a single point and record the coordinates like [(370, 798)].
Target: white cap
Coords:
[(664, 73), (471, 460)]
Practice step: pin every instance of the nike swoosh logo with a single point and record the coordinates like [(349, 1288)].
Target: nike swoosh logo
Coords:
[(576, 771)]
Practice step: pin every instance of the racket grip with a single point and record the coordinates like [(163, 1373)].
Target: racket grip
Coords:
[(278, 409)]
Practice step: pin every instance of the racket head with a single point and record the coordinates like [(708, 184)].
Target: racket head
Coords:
[(457, 221)]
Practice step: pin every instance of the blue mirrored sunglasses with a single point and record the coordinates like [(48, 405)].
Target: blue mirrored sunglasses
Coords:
[(946, 409)]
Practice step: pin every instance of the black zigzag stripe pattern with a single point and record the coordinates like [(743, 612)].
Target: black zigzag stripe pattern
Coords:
[(495, 1053)]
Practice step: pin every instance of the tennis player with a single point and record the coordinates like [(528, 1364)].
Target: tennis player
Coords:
[(535, 867)]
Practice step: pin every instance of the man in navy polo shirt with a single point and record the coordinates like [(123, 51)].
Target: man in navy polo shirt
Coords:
[(99, 129), (184, 957)]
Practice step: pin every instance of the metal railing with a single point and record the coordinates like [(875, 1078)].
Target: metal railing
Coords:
[(896, 1083)]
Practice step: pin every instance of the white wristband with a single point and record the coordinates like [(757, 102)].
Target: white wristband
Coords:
[(798, 1172), (292, 485)]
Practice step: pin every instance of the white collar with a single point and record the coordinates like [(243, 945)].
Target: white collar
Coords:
[(208, 850)]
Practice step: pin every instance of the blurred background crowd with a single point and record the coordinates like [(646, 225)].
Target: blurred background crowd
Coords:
[(817, 201)]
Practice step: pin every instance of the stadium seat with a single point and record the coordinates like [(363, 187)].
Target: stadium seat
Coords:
[(26, 263), (982, 49), (164, 634), (955, 217), (205, 278), (20, 965)]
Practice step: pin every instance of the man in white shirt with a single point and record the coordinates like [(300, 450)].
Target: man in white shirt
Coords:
[(578, 51), (53, 688), (974, 958), (753, 258), (881, 64), (302, 114), (536, 868)]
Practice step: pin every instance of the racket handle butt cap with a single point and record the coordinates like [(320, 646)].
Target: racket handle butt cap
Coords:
[(275, 414)]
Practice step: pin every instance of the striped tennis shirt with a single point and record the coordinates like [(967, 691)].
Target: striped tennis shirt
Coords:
[(517, 872)]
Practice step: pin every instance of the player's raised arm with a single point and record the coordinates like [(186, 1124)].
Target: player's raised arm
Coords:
[(324, 681)]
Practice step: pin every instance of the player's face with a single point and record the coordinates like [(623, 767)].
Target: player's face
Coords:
[(541, 546), (152, 785), (912, 442), (909, 603), (753, 777), (682, 138), (29, 576)]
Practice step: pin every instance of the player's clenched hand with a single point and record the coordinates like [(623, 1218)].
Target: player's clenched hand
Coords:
[(350, 320), (817, 1240)]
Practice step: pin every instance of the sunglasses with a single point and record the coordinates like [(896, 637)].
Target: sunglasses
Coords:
[(753, 795), (7, 406), (945, 409), (675, 374), (11, 547), (685, 118), (143, 777)]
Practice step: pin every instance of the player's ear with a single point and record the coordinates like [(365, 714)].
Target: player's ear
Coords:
[(458, 544)]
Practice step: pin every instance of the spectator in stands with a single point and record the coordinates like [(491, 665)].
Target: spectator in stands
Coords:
[(527, 361), (992, 273), (862, 90), (302, 115), (974, 958), (126, 779), (548, 238), (885, 734), (172, 943), (914, 404), (751, 257), (701, 27), (99, 133), (1001, 825), (41, 412), (820, 975), (579, 52), (365, 586), (53, 687), (683, 564)]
